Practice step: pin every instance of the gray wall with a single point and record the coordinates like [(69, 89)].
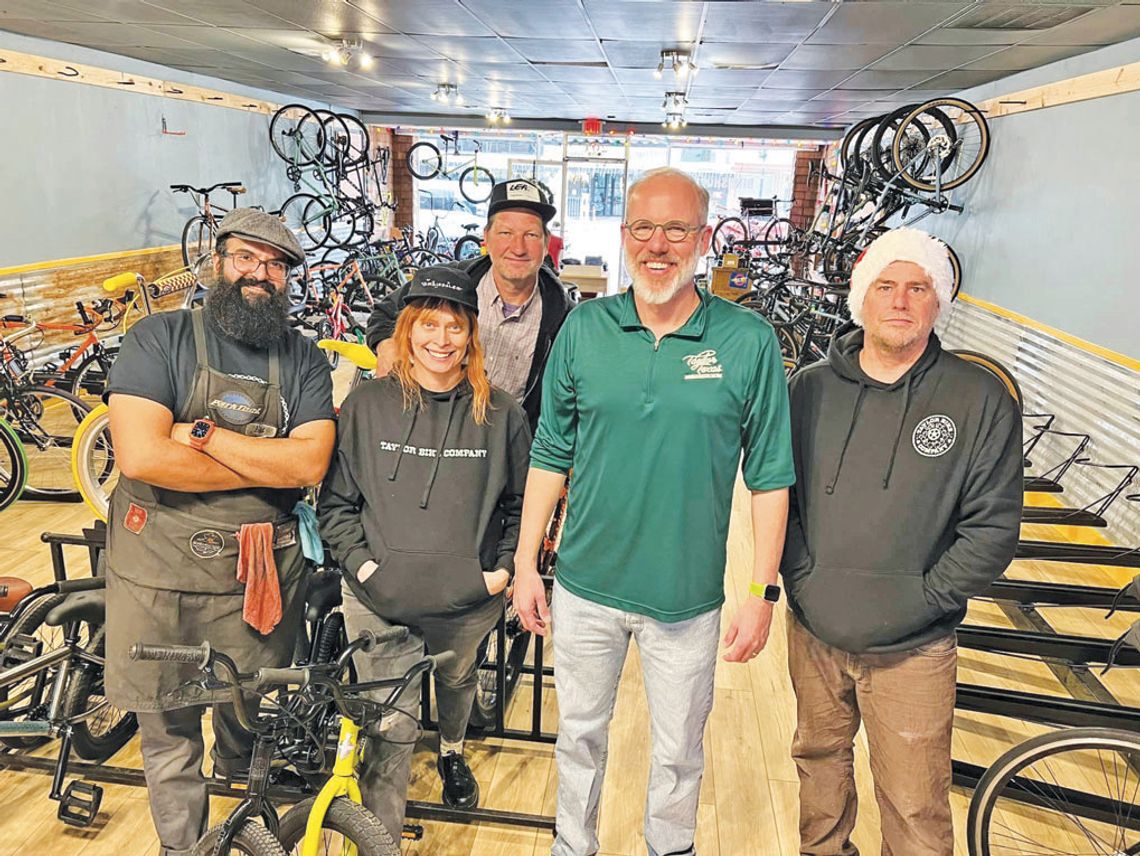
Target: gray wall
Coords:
[(86, 169), (1051, 224)]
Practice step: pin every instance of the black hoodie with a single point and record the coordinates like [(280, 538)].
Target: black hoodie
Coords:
[(556, 305), (433, 498), (907, 499)]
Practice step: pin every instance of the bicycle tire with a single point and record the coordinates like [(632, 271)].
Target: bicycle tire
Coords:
[(881, 155), (252, 839), (779, 238), (336, 138), (359, 140), (1047, 792), (354, 823), (197, 239), (729, 231), (468, 247), (13, 466), (45, 419), (956, 268), (293, 123), (846, 149), (937, 109), (93, 461), (99, 737), (294, 213), (424, 161), (30, 623), (90, 379), (1004, 375), (475, 184)]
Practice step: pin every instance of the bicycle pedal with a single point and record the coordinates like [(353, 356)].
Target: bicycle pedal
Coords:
[(20, 649), (412, 832), (80, 803)]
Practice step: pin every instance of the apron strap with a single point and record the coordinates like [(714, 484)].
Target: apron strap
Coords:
[(199, 325), (275, 367)]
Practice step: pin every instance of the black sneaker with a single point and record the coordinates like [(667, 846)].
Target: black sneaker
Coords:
[(460, 790)]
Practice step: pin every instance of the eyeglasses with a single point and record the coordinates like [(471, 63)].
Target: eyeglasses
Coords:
[(247, 263), (675, 231)]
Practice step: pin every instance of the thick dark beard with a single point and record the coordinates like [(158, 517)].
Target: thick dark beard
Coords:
[(259, 324)]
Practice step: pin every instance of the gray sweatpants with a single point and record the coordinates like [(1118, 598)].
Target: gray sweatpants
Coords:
[(173, 749), (387, 765)]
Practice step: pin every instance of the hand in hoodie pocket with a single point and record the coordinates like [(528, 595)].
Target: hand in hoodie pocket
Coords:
[(410, 584), (857, 610)]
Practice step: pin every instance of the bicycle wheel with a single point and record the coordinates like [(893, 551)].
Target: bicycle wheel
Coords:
[(90, 381), (252, 839), (306, 217), (475, 184), (197, 239), (13, 466), (424, 161), (882, 138), (468, 247), (961, 136), (46, 419), (997, 370), (93, 461), (29, 698), (847, 148), (956, 266), (297, 134), (729, 231), (780, 238), (99, 730), (344, 825), (358, 143), (1072, 792)]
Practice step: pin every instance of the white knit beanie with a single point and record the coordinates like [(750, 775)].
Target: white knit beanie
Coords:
[(901, 245)]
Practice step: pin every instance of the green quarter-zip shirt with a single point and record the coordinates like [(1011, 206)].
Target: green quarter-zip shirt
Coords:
[(654, 431)]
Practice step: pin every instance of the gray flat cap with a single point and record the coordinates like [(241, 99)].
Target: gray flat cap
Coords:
[(258, 226)]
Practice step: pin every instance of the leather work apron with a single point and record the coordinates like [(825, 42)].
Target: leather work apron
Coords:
[(172, 556)]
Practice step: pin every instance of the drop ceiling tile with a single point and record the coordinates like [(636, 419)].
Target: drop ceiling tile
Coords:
[(897, 23), (769, 94), (963, 79), (469, 48), (558, 50), (1027, 56), (38, 10), (713, 54), (932, 57), (763, 22), (781, 79), (956, 36), (527, 19), (673, 24), (501, 71), (120, 11), (633, 54), (1099, 27), (736, 77), (833, 57), (224, 39), (222, 13), (875, 79), (576, 74), (334, 16), (423, 17)]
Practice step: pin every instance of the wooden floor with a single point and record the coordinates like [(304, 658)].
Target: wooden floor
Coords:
[(749, 795)]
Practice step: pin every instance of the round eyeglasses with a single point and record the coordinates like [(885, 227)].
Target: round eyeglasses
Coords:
[(675, 231)]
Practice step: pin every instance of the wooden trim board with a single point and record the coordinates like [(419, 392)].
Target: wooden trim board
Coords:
[(1098, 84)]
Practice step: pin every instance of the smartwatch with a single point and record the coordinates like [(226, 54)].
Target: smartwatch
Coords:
[(200, 433), (770, 593)]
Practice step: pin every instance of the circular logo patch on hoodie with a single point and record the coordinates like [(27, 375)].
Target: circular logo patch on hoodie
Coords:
[(934, 435)]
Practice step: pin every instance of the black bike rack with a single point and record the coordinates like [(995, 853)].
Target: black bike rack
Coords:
[(1071, 649), (1081, 554), (1046, 709), (1091, 514), (1059, 594)]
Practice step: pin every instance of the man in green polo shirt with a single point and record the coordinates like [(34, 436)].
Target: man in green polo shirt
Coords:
[(651, 397)]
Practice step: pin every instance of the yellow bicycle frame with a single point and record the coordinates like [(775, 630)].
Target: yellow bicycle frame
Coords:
[(342, 783)]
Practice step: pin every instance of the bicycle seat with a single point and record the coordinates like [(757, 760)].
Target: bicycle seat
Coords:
[(12, 591), (89, 606), (470, 227), (323, 594), (356, 353)]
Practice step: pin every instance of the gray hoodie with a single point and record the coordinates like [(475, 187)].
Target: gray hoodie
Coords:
[(907, 499), (433, 498)]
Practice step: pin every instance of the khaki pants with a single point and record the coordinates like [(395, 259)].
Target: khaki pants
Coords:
[(906, 702)]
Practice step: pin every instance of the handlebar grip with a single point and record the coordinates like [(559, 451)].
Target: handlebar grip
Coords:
[(82, 312), (179, 187), (121, 280), (281, 677), (392, 634), (91, 584), (199, 655), (444, 658)]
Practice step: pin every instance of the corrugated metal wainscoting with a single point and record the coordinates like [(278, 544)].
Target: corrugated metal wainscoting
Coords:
[(1088, 394)]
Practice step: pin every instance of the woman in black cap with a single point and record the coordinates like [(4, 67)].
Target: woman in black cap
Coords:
[(421, 507)]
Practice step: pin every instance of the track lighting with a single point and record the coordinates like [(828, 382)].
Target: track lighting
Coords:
[(496, 115), (680, 61), (445, 93), (341, 54)]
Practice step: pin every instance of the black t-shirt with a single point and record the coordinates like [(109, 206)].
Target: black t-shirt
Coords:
[(158, 358)]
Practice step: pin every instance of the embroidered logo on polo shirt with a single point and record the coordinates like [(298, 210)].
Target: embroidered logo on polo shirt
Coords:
[(934, 435), (703, 366)]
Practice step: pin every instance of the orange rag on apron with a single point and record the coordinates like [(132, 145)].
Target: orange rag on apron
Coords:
[(261, 608)]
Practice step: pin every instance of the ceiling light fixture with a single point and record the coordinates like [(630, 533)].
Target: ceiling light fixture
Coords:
[(680, 61), (496, 115), (445, 93), (341, 54)]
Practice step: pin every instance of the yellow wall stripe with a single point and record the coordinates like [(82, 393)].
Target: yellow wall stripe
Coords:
[(82, 260), (1088, 347)]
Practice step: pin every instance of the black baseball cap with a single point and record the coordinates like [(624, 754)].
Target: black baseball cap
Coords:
[(521, 193), (445, 283)]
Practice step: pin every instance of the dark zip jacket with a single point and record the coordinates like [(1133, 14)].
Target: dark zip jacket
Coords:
[(433, 498), (907, 499), (556, 304)]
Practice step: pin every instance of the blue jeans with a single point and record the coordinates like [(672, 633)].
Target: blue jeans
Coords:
[(678, 661)]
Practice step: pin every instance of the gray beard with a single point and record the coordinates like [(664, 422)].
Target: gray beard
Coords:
[(657, 297), (259, 324)]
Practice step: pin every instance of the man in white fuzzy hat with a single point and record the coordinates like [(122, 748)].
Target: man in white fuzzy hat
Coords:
[(907, 503)]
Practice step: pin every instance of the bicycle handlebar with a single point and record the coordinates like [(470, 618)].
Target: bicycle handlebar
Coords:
[(198, 654), (186, 188), (91, 584)]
